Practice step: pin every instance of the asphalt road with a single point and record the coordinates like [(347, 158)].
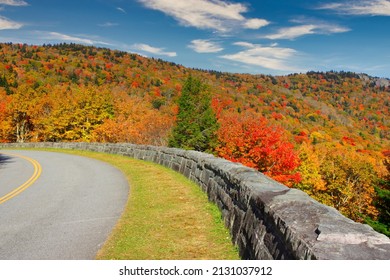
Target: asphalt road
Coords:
[(57, 206)]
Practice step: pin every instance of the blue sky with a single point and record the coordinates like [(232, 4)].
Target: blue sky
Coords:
[(252, 36)]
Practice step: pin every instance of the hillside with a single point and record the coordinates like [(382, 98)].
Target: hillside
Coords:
[(70, 92), (323, 105)]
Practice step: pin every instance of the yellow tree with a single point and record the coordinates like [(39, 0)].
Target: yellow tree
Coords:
[(349, 179), (74, 113), (312, 182), (22, 113)]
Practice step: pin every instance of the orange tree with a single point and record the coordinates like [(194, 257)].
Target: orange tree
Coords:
[(5, 123), (136, 122)]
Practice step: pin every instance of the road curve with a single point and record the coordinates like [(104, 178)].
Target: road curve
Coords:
[(65, 213)]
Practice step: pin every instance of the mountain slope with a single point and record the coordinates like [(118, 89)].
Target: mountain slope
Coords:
[(331, 105)]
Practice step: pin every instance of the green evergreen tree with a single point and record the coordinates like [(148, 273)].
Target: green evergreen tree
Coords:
[(5, 85), (196, 124), (382, 203)]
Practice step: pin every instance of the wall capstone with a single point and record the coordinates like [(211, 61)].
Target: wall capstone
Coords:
[(266, 219)]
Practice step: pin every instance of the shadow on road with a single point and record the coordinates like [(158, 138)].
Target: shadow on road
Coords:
[(4, 159)]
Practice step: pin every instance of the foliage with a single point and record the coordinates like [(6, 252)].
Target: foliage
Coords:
[(5, 125), (350, 180), (196, 122), (382, 202), (22, 113), (339, 177), (254, 143), (134, 122), (378, 226), (326, 106), (312, 182)]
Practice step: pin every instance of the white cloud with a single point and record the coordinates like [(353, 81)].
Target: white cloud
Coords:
[(13, 2), (292, 32), (68, 38), (6, 23), (255, 23), (108, 24), (121, 10), (206, 14), (205, 46), (64, 37), (270, 57), (244, 44), (360, 7), (152, 50), (306, 29)]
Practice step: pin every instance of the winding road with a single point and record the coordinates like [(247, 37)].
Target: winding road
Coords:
[(57, 206)]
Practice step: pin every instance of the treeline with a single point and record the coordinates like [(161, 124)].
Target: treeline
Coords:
[(325, 133)]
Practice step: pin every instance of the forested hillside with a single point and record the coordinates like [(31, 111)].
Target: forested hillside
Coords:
[(325, 133)]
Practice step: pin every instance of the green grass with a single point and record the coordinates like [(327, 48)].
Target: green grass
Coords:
[(167, 217)]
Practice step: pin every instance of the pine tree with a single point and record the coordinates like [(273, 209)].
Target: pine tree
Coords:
[(5, 85), (196, 124), (383, 202)]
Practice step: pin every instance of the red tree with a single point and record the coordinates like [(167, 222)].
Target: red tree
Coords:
[(254, 143)]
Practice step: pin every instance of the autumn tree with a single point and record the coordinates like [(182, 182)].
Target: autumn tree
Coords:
[(196, 123), (22, 113), (349, 181), (251, 141), (134, 122), (312, 182), (5, 123), (74, 113)]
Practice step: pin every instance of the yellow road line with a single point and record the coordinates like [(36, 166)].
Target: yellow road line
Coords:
[(28, 183)]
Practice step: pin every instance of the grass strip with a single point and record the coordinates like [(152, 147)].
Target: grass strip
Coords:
[(167, 216)]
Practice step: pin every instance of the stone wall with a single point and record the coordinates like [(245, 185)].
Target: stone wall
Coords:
[(266, 219)]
